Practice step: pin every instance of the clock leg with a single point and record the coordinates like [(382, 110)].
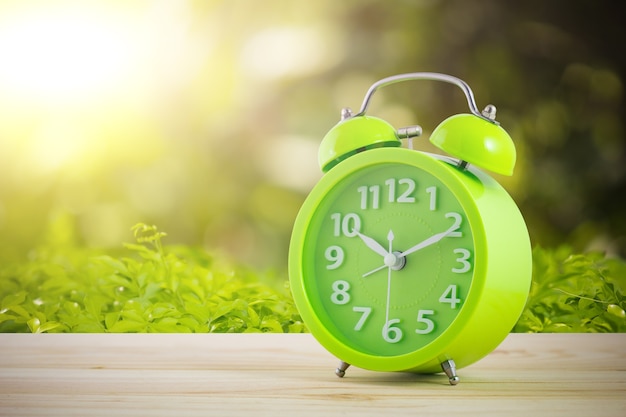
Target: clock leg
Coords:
[(341, 369), (449, 367)]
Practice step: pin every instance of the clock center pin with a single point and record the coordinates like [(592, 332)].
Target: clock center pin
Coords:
[(395, 261)]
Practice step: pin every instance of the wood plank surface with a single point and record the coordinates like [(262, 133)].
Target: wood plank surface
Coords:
[(291, 375)]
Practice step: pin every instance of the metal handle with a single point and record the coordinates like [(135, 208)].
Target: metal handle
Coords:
[(487, 114)]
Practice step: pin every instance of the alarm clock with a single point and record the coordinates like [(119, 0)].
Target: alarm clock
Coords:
[(403, 260)]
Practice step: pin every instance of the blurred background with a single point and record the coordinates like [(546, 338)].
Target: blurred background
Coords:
[(204, 117)]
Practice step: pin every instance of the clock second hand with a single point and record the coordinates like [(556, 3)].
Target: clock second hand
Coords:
[(390, 238), (373, 271)]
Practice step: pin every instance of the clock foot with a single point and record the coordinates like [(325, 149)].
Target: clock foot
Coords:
[(341, 369), (449, 367)]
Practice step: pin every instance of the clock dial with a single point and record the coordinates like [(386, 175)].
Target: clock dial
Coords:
[(388, 259)]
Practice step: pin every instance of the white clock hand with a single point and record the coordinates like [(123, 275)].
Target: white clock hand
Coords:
[(373, 271), (390, 238), (392, 260), (372, 244), (430, 241)]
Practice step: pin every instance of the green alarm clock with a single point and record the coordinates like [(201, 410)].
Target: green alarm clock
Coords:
[(402, 260)]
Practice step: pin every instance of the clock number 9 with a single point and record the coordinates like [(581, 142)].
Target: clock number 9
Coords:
[(334, 255)]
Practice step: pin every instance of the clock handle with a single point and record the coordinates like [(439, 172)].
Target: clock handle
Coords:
[(488, 113), (475, 138)]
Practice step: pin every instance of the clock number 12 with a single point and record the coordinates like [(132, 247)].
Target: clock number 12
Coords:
[(398, 191)]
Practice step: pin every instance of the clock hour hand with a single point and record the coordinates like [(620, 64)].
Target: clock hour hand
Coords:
[(392, 260), (372, 244), (430, 241)]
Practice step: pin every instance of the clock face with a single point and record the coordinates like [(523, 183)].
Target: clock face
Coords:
[(388, 259)]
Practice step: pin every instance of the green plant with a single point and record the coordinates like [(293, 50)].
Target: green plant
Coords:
[(152, 288), (181, 290), (575, 293)]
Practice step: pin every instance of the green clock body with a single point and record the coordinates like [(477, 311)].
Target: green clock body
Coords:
[(400, 260)]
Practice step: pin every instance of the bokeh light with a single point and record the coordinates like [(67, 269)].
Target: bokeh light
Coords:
[(204, 117)]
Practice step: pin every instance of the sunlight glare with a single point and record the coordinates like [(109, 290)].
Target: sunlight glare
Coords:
[(280, 52), (55, 144), (61, 54)]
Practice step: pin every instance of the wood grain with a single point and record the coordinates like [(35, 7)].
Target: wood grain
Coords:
[(291, 375)]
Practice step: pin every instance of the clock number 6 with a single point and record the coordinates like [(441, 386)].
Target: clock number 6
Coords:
[(392, 334)]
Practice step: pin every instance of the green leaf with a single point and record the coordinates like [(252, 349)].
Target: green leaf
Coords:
[(168, 325), (616, 311), (6, 317), (128, 326), (19, 310), (13, 300), (296, 327), (571, 292), (110, 319), (271, 325), (46, 327), (72, 307), (34, 324), (144, 287)]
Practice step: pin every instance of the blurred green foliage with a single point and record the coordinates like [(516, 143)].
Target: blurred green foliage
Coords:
[(179, 290), (575, 293), (151, 288), (212, 131)]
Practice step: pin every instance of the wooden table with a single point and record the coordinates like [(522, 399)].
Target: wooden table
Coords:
[(291, 375)]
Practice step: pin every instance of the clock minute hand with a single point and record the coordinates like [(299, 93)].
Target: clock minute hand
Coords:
[(372, 244), (430, 241)]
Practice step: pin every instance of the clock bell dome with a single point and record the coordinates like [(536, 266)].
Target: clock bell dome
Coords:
[(477, 141), (352, 135)]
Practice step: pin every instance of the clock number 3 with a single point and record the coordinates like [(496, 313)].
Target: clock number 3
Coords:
[(464, 264)]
